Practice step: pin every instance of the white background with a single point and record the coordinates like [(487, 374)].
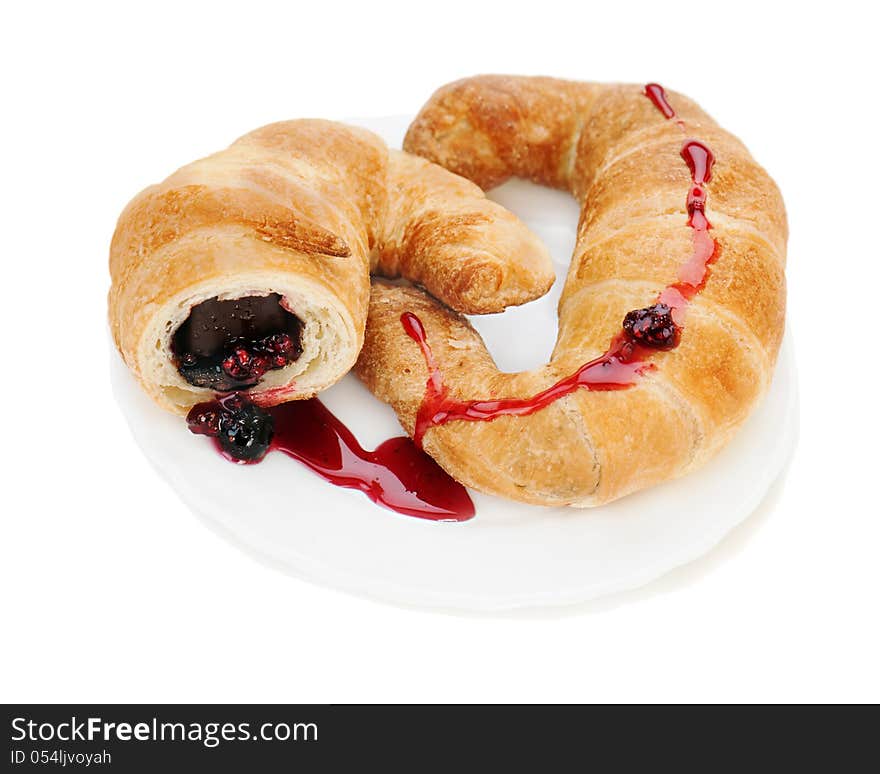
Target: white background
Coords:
[(112, 591)]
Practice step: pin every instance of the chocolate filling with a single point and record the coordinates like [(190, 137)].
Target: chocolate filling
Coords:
[(230, 345)]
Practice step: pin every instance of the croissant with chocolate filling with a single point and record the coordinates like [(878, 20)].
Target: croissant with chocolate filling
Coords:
[(670, 319), (249, 270)]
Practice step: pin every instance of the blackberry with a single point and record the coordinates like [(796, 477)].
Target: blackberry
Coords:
[(243, 430), (652, 327)]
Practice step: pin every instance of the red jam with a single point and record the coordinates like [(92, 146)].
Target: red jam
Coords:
[(644, 331), (699, 160), (655, 93), (617, 369), (396, 474)]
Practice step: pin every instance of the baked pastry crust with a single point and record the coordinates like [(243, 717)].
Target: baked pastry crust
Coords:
[(620, 158), (306, 209)]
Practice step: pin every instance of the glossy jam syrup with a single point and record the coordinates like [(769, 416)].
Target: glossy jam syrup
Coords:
[(699, 160), (657, 95), (625, 360), (619, 368), (694, 272), (396, 474)]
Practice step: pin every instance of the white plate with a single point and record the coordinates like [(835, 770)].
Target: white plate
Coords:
[(511, 555)]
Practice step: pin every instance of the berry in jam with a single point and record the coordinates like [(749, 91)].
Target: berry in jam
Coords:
[(243, 430), (397, 474), (652, 327), (230, 345), (247, 361)]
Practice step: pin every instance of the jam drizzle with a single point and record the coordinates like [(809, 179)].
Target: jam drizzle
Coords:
[(617, 369), (396, 475), (657, 95), (626, 359)]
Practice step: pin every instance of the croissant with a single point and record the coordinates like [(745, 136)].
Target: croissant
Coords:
[(671, 315), (249, 270)]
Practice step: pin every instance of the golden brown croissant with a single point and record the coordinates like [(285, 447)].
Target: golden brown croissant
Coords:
[(671, 315), (249, 270)]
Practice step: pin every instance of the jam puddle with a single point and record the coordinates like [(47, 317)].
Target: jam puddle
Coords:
[(644, 332), (396, 475)]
